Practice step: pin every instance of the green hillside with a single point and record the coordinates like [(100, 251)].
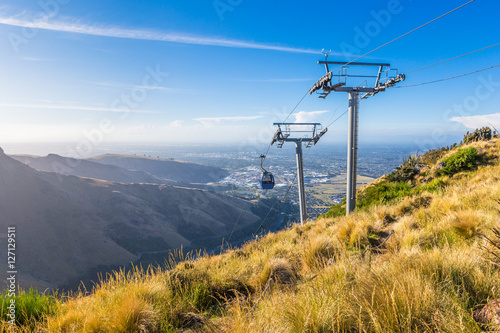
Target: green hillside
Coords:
[(420, 254)]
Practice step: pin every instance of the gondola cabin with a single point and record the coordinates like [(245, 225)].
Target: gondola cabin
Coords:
[(267, 181)]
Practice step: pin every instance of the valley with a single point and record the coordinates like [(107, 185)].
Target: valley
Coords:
[(130, 208)]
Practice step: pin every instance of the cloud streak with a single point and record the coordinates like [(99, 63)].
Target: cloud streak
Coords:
[(72, 107), (479, 121), (278, 80), (219, 120), (308, 116), (130, 86), (172, 37)]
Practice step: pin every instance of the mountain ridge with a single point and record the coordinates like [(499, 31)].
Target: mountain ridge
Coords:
[(179, 171), (87, 169)]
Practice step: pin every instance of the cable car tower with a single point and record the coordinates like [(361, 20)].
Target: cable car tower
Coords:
[(325, 84), (309, 133)]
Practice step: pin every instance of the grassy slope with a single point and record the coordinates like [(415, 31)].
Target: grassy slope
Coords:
[(413, 264)]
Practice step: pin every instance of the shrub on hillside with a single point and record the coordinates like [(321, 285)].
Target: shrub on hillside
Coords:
[(407, 170), (463, 159), (482, 134), (336, 210), (432, 156), (382, 193), (435, 185)]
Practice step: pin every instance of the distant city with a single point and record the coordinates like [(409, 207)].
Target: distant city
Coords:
[(324, 170)]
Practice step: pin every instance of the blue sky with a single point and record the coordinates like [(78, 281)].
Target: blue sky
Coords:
[(222, 71)]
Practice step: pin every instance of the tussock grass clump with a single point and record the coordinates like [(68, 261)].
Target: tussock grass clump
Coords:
[(491, 246), (279, 271), (123, 304), (320, 251)]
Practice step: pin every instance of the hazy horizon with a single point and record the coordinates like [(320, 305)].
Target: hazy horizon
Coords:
[(72, 149)]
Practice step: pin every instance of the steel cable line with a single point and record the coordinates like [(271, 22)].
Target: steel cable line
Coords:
[(288, 116), (453, 58), (234, 227), (406, 34), (284, 198), (337, 118), (277, 200), (337, 108), (296, 106), (269, 212), (336, 112), (448, 78)]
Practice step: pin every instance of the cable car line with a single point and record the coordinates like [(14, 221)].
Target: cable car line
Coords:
[(277, 200), (234, 228), (448, 78), (407, 33), (281, 201), (337, 108), (262, 156), (296, 106), (337, 118), (453, 58)]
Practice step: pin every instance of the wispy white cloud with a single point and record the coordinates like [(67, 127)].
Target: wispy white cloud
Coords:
[(212, 121), (122, 86), (308, 116), (172, 90), (478, 121), (279, 80), (71, 107), (117, 32), (176, 123), (34, 59)]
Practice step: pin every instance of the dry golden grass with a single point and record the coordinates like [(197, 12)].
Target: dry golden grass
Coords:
[(412, 266)]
